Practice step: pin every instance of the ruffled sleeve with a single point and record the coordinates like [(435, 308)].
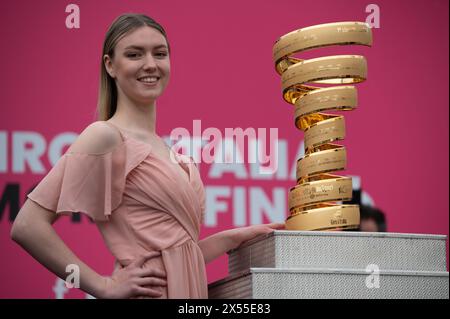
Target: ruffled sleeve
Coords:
[(88, 183)]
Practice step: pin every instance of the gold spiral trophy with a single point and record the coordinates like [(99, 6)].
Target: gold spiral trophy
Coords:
[(315, 203)]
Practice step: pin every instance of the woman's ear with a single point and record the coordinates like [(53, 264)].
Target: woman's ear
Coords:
[(108, 65)]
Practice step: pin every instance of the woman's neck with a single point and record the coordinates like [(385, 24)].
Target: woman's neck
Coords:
[(140, 119)]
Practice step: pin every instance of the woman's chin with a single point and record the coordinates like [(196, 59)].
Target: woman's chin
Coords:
[(146, 100)]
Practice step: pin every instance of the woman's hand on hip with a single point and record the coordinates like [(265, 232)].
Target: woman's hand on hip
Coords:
[(134, 281)]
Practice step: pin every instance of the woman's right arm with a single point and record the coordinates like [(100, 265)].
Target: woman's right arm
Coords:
[(33, 230)]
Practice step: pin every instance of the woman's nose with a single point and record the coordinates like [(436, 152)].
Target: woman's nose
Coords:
[(149, 62)]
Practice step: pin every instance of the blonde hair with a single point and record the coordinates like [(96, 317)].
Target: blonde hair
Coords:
[(122, 25)]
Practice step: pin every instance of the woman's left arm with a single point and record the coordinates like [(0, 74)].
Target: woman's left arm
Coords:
[(224, 241)]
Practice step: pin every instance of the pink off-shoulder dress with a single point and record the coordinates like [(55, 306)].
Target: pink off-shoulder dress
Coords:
[(140, 203)]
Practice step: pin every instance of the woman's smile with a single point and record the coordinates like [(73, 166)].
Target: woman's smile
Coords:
[(149, 81)]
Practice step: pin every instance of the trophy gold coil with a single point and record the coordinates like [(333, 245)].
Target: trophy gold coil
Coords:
[(315, 203)]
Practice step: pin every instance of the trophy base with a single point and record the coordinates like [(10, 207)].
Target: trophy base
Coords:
[(317, 264), (271, 283), (339, 228)]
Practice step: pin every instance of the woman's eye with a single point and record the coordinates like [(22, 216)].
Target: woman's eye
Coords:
[(162, 54), (132, 55)]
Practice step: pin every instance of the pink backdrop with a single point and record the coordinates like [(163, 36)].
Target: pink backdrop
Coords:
[(222, 74)]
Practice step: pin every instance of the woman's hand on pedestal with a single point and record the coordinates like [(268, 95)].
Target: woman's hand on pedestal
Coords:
[(244, 234)]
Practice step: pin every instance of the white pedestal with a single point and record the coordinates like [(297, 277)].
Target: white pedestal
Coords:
[(294, 264)]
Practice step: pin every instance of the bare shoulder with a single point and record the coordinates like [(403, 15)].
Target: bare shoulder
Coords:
[(97, 138)]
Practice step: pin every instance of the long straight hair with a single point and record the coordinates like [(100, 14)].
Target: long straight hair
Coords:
[(121, 26)]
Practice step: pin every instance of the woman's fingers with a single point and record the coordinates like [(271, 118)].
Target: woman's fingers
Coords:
[(276, 225), (148, 292), (151, 281), (151, 273)]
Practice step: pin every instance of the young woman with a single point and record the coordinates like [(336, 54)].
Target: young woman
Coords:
[(119, 172)]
